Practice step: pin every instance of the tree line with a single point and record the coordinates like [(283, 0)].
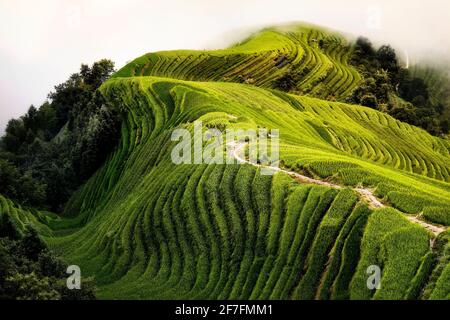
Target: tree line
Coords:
[(45, 156), (29, 271), (385, 80), (49, 152)]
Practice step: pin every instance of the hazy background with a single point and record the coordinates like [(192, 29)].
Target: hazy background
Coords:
[(42, 42)]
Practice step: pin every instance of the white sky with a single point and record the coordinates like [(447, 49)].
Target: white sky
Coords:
[(42, 42)]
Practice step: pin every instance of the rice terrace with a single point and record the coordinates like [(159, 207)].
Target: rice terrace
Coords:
[(346, 171)]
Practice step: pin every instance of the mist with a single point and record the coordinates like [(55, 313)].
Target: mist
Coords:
[(43, 42)]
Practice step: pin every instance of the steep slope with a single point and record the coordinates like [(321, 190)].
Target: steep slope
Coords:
[(145, 227), (151, 229)]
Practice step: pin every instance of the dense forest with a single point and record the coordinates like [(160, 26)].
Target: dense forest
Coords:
[(50, 151), (29, 271), (44, 157), (391, 88)]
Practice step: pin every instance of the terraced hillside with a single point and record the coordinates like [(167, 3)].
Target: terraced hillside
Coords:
[(147, 228), (316, 59)]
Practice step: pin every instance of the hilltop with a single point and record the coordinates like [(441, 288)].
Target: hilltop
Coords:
[(299, 57)]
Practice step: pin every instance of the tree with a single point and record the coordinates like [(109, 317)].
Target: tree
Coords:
[(70, 97), (99, 73), (42, 171), (364, 47), (406, 114), (101, 134), (47, 121), (9, 175), (445, 125), (30, 191), (31, 287), (30, 119), (29, 271), (384, 80), (32, 246), (409, 89), (15, 135), (387, 58), (369, 100), (7, 228), (87, 291), (419, 101)]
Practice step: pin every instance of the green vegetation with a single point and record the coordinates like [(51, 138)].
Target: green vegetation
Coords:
[(414, 96), (296, 58), (389, 241), (146, 228), (438, 285), (49, 152), (233, 235), (28, 270)]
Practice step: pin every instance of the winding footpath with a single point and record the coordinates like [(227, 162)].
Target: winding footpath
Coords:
[(366, 194)]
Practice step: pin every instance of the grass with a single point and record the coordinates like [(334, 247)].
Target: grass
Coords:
[(146, 228), (392, 244), (319, 56)]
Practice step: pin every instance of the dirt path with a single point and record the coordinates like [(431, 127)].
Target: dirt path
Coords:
[(435, 229), (366, 194)]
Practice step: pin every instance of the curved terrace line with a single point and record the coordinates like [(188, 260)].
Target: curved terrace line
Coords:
[(364, 193)]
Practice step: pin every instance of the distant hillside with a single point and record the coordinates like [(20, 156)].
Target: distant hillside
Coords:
[(299, 58), (309, 60)]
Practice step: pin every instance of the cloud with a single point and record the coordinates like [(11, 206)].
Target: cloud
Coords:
[(44, 41)]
